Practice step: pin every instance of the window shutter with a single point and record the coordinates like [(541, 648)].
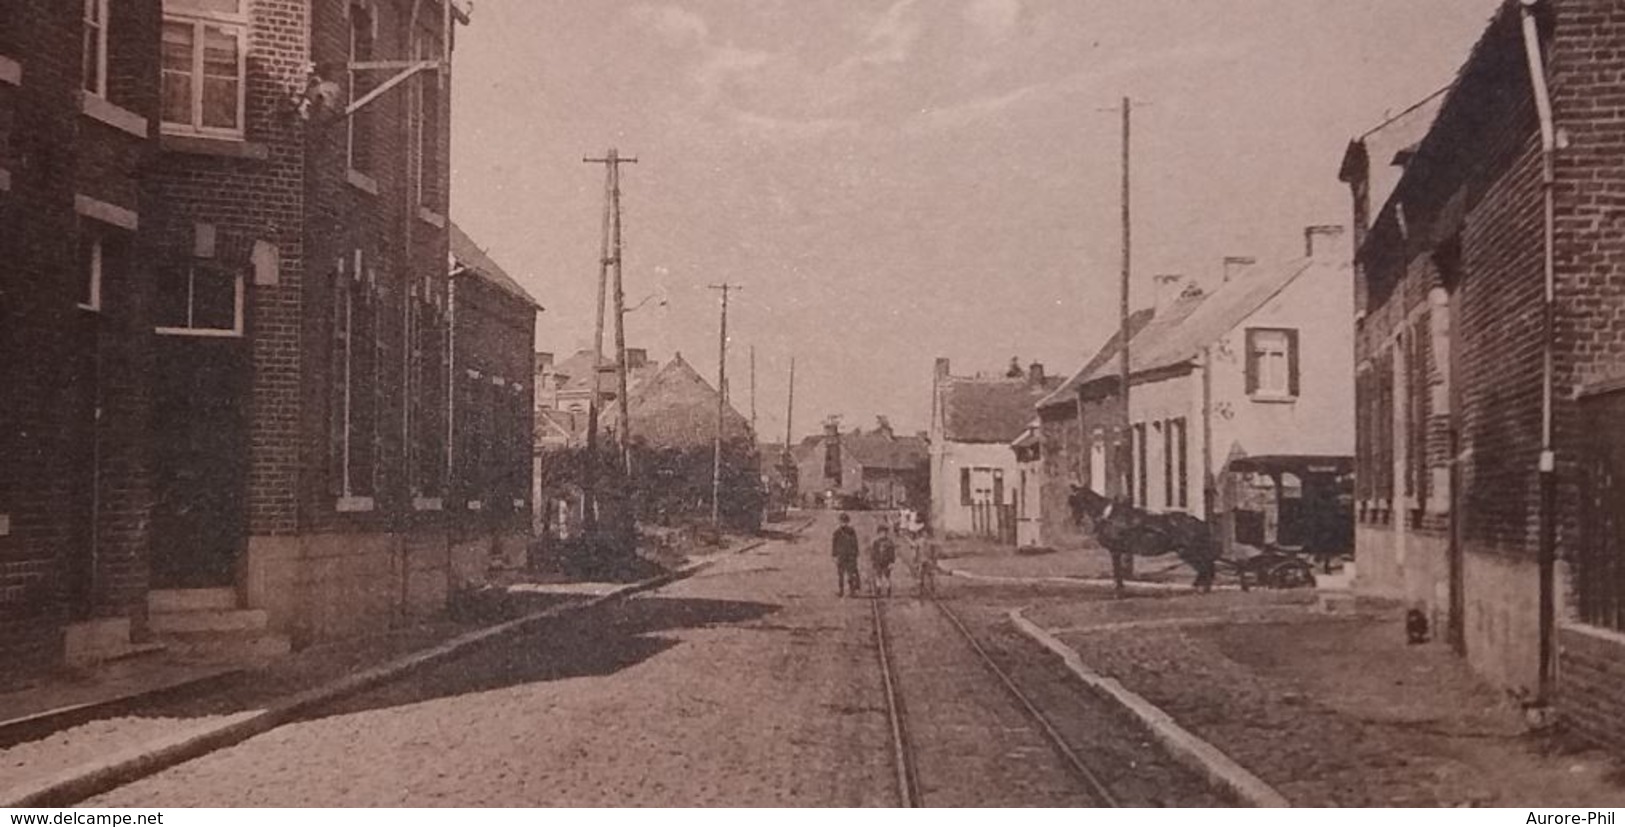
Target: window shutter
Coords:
[(964, 486), (1252, 362), (1292, 362)]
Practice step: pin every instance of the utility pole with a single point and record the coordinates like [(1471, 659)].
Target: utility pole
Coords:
[(589, 506), (722, 403), (1123, 311), (612, 259), (790, 406), (753, 392)]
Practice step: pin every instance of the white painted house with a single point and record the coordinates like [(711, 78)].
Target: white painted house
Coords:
[(1241, 403), (975, 477)]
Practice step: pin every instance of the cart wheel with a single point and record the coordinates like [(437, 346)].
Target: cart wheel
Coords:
[(1292, 574)]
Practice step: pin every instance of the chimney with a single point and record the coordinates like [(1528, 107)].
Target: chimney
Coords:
[(1233, 265), (1167, 289), (1324, 243), (942, 367), (636, 357), (1035, 374), (883, 427), (832, 429)]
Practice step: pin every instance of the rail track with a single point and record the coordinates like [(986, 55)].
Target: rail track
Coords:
[(907, 773)]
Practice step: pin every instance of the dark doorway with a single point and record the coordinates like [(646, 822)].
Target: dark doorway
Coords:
[(199, 524)]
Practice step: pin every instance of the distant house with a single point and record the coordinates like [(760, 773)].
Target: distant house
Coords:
[(1491, 359), (1240, 406), (974, 474), (878, 468), (567, 386)]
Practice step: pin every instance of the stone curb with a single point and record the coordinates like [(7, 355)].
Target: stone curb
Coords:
[(85, 781), (33, 727), (1085, 582), (1218, 769)]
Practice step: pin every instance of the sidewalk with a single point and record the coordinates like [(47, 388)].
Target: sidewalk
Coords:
[(1330, 709), (982, 558), (240, 698)]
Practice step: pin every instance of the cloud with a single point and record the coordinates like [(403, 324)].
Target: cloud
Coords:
[(724, 63), (677, 25), (994, 18), (891, 37)]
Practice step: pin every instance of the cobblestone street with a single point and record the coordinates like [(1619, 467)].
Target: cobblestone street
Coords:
[(749, 684)]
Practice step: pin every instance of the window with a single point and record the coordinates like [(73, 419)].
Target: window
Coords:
[(204, 65), (1140, 489), (1181, 463), (1167, 429), (363, 33), (428, 122), (353, 402), (964, 486), (426, 380), (94, 43), (91, 262), (1272, 362), (198, 300)]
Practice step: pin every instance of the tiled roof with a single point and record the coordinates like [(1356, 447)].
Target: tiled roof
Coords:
[(896, 453), (989, 410), (677, 408), (1192, 323), (1068, 390), (468, 254)]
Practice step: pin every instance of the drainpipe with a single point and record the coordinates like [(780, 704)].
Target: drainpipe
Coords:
[(1548, 457)]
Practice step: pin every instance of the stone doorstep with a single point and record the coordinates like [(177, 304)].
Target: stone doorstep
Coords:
[(169, 601), (212, 620)]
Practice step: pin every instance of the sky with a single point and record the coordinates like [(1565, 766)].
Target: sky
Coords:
[(892, 181)]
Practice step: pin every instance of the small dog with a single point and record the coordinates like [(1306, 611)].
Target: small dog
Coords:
[(1416, 626)]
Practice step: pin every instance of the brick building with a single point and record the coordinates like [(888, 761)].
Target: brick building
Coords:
[(241, 415), (877, 468), (1469, 502), (493, 370), (78, 126)]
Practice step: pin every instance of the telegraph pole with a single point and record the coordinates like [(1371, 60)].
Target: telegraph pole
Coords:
[(753, 392), (612, 259), (722, 403), (589, 509), (1123, 311), (790, 406)]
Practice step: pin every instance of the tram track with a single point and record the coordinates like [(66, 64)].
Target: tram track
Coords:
[(905, 759)]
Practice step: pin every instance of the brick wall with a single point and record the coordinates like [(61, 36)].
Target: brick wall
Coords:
[(59, 363), (404, 240), (495, 339)]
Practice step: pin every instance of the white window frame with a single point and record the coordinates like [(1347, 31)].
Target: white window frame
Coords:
[(360, 177), (94, 20), (234, 24), (426, 46), (95, 274), (236, 329), (1284, 356)]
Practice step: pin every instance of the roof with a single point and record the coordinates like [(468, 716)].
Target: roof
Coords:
[(577, 371), (1384, 149), (1179, 333), (677, 408), (877, 450), (470, 257), (1490, 90), (989, 410), (1069, 389)]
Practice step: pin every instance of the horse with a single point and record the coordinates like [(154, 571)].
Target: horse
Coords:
[(1127, 531)]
